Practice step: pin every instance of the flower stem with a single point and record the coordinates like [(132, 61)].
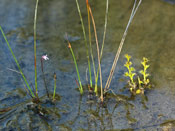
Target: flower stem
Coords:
[(45, 84)]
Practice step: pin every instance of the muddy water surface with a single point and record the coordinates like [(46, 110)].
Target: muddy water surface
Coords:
[(151, 35)]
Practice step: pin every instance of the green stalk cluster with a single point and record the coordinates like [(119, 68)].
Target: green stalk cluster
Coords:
[(130, 72), (85, 39)]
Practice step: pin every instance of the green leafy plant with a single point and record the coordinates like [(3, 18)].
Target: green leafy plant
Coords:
[(130, 73), (144, 71), (137, 87)]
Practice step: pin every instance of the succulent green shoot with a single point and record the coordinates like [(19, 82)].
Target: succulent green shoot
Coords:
[(75, 62), (130, 72), (55, 78), (144, 71), (29, 88)]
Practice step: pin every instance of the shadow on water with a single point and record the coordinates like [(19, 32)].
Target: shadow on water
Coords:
[(151, 35)]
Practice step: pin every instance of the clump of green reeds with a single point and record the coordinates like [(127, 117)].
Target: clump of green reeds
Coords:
[(85, 39), (99, 53)]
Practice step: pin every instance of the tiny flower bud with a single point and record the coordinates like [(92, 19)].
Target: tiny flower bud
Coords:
[(69, 45)]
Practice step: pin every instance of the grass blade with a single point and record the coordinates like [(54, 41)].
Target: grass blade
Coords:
[(17, 62)]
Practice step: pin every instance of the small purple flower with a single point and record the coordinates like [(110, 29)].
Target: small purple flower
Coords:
[(44, 57)]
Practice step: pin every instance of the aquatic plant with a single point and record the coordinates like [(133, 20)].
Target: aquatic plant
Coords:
[(144, 71), (99, 53), (90, 42), (137, 87), (76, 66), (85, 39), (130, 72)]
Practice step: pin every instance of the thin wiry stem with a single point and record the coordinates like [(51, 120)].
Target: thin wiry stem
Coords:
[(134, 10), (98, 52), (16, 62), (35, 18), (45, 84), (104, 36), (84, 33)]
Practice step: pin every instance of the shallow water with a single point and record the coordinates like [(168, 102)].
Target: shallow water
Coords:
[(151, 35)]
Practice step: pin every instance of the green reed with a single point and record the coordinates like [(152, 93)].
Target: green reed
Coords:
[(90, 40), (29, 88), (76, 66), (35, 18), (84, 33)]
